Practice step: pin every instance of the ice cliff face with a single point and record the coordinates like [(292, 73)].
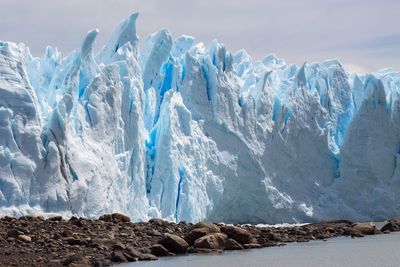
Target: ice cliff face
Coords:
[(187, 132)]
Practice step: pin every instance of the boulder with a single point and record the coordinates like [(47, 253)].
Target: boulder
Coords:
[(108, 243), (105, 218), (239, 234), (73, 241), (232, 244), (364, 228), (56, 219), (159, 250), (158, 222), (14, 233), (115, 217), (75, 221), (196, 234), (75, 259), (134, 253), (148, 257), (25, 238), (120, 217), (174, 244), (212, 228), (391, 226), (213, 241), (118, 256)]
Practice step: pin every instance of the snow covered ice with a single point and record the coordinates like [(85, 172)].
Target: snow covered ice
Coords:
[(185, 131)]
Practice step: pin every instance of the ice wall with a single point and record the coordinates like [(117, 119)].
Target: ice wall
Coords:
[(183, 131)]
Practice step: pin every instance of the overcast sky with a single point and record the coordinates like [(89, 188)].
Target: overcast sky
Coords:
[(363, 34)]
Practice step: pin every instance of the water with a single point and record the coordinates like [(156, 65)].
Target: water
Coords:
[(379, 251)]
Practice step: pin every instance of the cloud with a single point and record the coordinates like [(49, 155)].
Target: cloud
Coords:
[(354, 68), (297, 31)]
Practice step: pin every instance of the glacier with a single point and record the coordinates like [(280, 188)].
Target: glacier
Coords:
[(182, 131)]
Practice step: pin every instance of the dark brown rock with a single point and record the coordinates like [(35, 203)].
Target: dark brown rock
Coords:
[(56, 219), (213, 228), (75, 221), (239, 234), (75, 259), (14, 233), (174, 244), (66, 233), (232, 244), (213, 241), (195, 234), (106, 218), (148, 257), (73, 241), (391, 226), (133, 252), (252, 245), (159, 250), (106, 242), (203, 250), (120, 217), (118, 256), (139, 255), (158, 222)]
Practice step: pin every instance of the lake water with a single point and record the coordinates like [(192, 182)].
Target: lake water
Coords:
[(379, 251)]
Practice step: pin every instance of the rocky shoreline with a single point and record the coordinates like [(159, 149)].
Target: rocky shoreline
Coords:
[(113, 239)]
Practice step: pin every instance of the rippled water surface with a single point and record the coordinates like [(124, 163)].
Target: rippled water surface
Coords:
[(380, 250)]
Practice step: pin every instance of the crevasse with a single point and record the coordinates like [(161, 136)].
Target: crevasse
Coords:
[(183, 131)]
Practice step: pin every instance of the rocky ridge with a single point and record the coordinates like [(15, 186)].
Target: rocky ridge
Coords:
[(113, 238)]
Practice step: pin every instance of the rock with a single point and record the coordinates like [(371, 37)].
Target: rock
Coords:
[(56, 219), (252, 245), (159, 250), (129, 257), (118, 245), (158, 222), (75, 259), (106, 218), (202, 250), (195, 234), (25, 238), (118, 256), (145, 250), (66, 233), (213, 228), (364, 228), (391, 226), (80, 265), (118, 217), (75, 221), (27, 218), (139, 255), (106, 242), (73, 241), (148, 257), (174, 244), (14, 233), (232, 244), (356, 233), (239, 234), (8, 219), (214, 241), (133, 252), (155, 232)]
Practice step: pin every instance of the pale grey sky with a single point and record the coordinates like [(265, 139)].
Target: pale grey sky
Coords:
[(363, 34)]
